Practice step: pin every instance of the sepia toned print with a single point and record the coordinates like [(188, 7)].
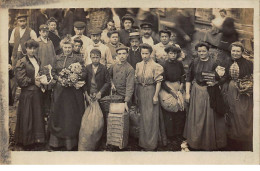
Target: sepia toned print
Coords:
[(131, 80)]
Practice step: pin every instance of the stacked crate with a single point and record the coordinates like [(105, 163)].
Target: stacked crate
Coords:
[(118, 128)]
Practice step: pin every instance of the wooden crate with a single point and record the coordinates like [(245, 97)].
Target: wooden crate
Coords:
[(118, 129)]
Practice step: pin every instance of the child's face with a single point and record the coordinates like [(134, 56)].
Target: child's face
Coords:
[(44, 33), (52, 26), (128, 24), (135, 42), (172, 55), (164, 38), (95, 58), (114, 38), (77, 47), (122, 55)]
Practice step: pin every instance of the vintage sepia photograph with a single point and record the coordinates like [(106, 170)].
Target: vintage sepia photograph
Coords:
[(131, 80)]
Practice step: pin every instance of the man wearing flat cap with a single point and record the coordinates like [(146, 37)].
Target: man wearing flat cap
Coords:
[(127, 22), (19, 36), (46, 54), (122, 76), (79, 28), (158, 54), (134, 55), (113, 43), (146, 29), (106, 56)]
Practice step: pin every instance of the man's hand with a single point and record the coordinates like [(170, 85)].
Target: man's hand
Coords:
[(126, 107), (187, 98)]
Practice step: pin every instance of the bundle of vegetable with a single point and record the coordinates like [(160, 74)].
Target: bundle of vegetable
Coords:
[(245, 85)]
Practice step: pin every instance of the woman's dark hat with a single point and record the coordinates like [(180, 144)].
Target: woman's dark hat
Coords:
[(128, 17)]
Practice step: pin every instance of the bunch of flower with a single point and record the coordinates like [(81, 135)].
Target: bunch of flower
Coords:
[(245, 85), (70, 76)]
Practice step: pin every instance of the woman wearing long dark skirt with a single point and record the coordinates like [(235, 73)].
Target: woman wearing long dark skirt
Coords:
[(240, 116), (30, 129), (68, 103), (204, 128), (174, 78)]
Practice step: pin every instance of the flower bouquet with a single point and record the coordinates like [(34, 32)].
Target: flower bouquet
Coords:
[(69, 77), (245, 85)]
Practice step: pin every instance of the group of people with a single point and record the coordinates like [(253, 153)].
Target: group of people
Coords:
[(211, 113)]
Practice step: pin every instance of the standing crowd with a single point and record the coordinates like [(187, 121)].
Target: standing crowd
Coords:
[(201, 103)]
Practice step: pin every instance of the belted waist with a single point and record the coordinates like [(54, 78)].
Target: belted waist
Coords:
[(146, 84)]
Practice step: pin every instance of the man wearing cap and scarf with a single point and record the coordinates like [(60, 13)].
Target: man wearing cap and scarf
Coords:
[(122, 76), (19, 36), (146, 29), (79, 28), (113, 43), (134, 55), (158, 54), (106, 56), (127, 22)]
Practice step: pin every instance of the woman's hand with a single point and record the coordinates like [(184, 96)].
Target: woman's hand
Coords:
[(37, 83), (212, 83), (155, 99), (79, 84), (187, 98)]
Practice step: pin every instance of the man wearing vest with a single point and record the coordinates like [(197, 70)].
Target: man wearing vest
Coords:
[(19, 36)]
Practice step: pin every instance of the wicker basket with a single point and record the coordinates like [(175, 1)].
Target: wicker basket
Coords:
[(105, 101), (118, 129)]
